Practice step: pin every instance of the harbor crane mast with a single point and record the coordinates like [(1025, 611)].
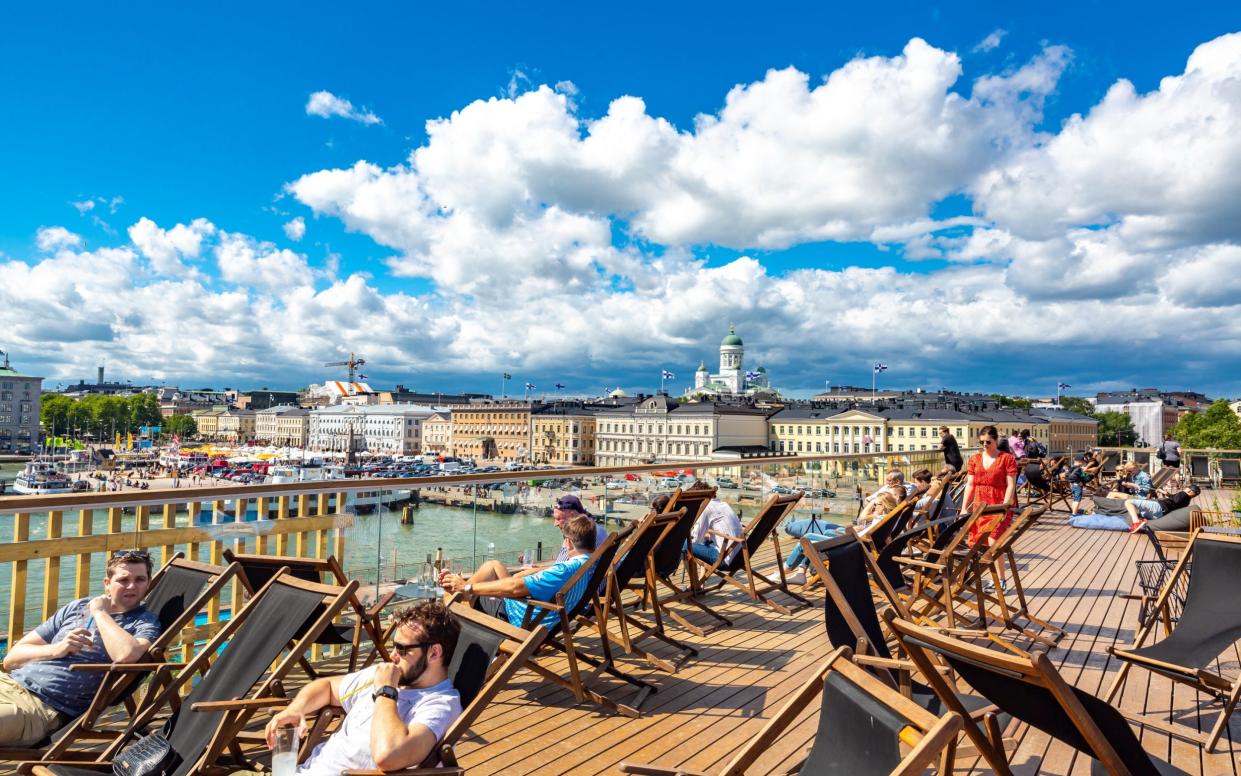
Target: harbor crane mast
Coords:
[(353, 365)]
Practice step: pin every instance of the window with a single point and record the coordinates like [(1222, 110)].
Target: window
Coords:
[(900, 448), (900, 431), (818, 447), (924, 434)]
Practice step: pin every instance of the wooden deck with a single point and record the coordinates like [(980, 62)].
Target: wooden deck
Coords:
[(718, 701), (701, 715)]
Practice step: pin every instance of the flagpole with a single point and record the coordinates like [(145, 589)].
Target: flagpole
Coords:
[(874, 371), (1057, 394)]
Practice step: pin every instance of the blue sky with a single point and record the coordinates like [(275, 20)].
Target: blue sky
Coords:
[(179, 113)]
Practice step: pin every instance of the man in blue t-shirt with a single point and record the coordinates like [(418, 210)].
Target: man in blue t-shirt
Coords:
[(502, 594), (41, 691)]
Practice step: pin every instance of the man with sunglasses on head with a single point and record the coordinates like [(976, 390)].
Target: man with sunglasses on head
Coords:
[(41, 692), (395, 712)]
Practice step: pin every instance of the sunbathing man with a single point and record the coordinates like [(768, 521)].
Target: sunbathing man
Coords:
[(564, 509), (41, 693), (883, 500), (1133, 482), (1141, 510), (395, 712), (496, 591)]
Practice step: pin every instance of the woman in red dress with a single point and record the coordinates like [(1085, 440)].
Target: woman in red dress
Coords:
[(991, 479)]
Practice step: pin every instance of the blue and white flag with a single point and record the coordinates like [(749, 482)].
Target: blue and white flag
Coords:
[(529, 386), (751, 375), (559, 386), (665, 374), (880, 367), (1062, 386)]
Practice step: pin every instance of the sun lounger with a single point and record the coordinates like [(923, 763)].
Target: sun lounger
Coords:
[(1209, 623), (863, 727)]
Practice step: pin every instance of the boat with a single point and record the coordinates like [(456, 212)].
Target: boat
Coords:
[(40, 478)]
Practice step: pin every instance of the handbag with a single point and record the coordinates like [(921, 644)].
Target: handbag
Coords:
[(151, 755), (1161, 454)]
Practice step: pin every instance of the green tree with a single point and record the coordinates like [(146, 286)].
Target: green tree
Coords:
[(143, 411), (182, 425), (55, 412), (1116, 429), (1080, 406), (1218, 427), (1012, 401)]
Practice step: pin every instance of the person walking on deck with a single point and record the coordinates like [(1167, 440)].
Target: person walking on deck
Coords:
[(991, 478)]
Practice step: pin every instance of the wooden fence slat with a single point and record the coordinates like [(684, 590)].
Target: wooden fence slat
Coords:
[(17, 588), (81, 580), (51, 569), (282, 513), (166, 551)]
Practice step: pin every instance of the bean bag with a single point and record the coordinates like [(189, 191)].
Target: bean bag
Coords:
[(1109, 506), (1176, 520), (1100, 522)]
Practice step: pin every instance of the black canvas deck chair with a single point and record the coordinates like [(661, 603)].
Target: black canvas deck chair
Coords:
[(891, 524), (178, 592), (1229, 472), (891, 576), (573, 613), (239, 679), (637, 566), (1210, 623), (257, 570), (1031, 689), (671, 554), (1161, 479), (737, 556), (488, 653), (1200, 471), (934, 573), (865, 729)]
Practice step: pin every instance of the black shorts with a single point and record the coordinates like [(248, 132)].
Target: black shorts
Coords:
[(491, 605)]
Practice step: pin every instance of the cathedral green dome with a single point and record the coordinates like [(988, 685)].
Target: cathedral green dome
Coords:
[(732, 338)]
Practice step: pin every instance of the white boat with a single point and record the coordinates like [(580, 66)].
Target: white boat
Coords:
[(40, 478)]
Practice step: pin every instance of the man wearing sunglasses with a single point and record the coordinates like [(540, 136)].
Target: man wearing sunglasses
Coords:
[(42, 692), (395, 712)]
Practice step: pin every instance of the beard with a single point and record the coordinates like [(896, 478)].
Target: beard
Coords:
[(415, 671)]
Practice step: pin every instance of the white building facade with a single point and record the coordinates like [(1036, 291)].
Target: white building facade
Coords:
[(660, 429), (283, 425), (381, 428)]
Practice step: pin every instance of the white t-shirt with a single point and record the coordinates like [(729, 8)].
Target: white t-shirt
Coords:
[(719, 517), (349, 748)]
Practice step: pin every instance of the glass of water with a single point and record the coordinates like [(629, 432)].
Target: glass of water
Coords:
[(284, 753)]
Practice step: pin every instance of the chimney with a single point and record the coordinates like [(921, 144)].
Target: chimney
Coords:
[(100, 374)]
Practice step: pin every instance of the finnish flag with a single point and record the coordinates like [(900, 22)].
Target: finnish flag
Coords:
[(880, 367), (529, 386), (668, 375), (1062, 386)]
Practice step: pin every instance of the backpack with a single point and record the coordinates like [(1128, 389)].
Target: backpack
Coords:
[(1035, 450)]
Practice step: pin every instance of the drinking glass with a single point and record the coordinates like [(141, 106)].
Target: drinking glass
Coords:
[(284, 753)]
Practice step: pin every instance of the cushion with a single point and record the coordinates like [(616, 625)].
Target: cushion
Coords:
[(1176, 520), (1109, 506), (1100, 522)]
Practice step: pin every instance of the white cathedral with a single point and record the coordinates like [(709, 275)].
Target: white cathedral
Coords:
[(732, 378)]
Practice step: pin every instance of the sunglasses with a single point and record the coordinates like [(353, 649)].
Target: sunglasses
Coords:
[(140, 556), (986, 441), (405, 649)]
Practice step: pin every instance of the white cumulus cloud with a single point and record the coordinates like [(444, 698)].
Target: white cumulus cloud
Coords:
[(295, 229), (327, 105), (166, 248), (51, 238)]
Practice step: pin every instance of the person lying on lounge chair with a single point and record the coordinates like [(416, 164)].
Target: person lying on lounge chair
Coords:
[(41, 692), (1142, 510), (395, 712), (494, 590)]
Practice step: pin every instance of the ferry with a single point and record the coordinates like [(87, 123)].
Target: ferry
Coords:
[(41, 478)]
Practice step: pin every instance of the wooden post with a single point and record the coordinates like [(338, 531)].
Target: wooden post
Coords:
[(51, 573), (217, 556), (195, 509), (282, 513), (170, 521), (81, 580), (17, 590), (260, 544), (303, 510)]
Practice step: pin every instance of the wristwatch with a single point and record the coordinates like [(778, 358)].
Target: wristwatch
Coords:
[(387, 691), (468, 589)]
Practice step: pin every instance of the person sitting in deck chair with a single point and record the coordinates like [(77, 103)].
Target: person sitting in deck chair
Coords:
[(494, 590), (564, 509), (883, 500), (1142, 510), (718, 517), (1133, 482), (41, 691), (395, 712)]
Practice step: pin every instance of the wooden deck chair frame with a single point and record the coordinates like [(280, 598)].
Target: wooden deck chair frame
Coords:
[(1034, 669), (368, 620), (561, 637), (237, 712), (1012, 606), (117, 684), (1220, 688), (1199, 467), (693, 501), (772, 513), (1229, 471), (518, 647), (931, 739), (1161, 478), (1058, 490), (891, 524), (651, 529), (931, 590)]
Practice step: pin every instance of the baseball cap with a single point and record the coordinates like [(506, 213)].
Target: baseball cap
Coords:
[(571, 502)]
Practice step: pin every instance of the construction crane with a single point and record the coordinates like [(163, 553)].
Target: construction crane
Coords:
[(353, 364)]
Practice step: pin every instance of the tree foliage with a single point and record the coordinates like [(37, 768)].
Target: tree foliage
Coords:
[(183, 426), (97, 414), (1012, 401), (1080, 406), (1116, 429), (1218, 427)]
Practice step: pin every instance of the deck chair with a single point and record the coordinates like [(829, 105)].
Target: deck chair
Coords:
[(671, 554), (1209, 623), (637, 565), (574, 613), (891, 524), (1031, 689), (1229, 471), (863, 727), (1161, 478), (737, 556), (887, 568), (178, 592), (1200, 471), (258, 569), (206, 723), (852, 620), (931, 590), (488, 653)]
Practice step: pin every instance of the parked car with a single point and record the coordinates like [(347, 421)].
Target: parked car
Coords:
[(783, 490), (614, 485), (725, 482), (821, 493)]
